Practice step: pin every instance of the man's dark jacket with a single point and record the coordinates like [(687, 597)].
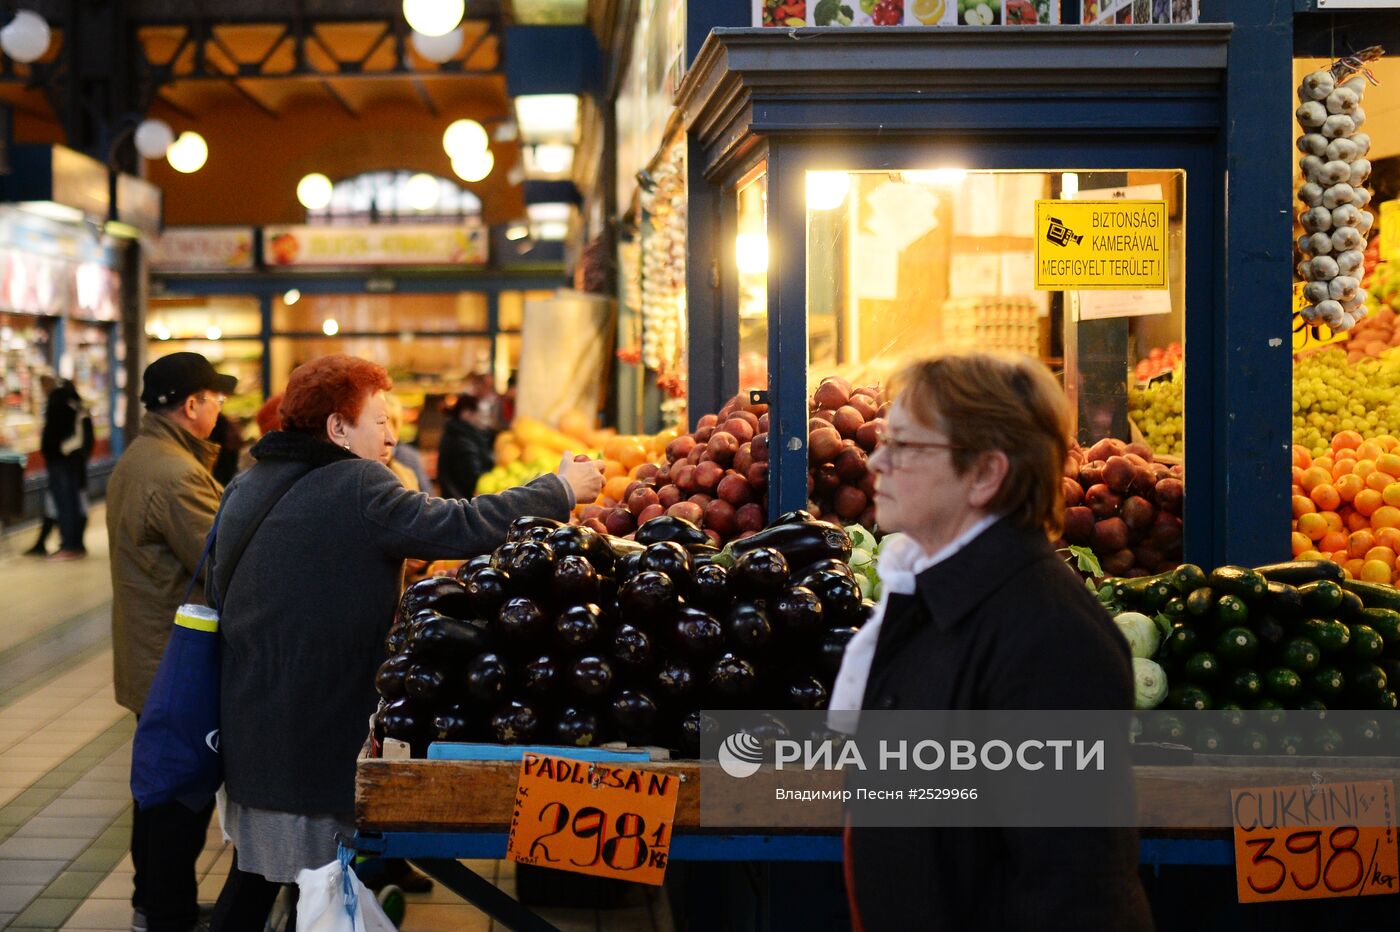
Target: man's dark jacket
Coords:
[(1002, 624), (464, 455)]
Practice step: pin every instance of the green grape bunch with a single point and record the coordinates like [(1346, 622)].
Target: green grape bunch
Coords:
[(1157, 410), (1331, 395)]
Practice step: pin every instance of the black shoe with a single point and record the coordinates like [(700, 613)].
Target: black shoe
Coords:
[(38, 550)]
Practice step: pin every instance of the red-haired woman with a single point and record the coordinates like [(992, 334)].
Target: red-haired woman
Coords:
[(306, 607)]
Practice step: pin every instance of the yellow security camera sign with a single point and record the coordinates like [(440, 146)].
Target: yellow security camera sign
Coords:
[(1117, 245)]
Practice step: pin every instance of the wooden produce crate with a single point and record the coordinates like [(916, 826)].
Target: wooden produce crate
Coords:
[(433, 795)]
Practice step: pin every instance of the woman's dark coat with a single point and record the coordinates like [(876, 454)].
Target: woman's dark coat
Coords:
[(1002, 624)]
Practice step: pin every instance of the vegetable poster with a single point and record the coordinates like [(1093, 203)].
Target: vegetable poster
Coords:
[(792, 13), (1138, 12)]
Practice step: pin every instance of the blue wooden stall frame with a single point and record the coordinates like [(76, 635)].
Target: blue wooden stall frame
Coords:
[(437, 854)]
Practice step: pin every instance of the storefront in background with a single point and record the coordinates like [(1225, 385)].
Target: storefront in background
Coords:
[(59, 306), (420, 300)]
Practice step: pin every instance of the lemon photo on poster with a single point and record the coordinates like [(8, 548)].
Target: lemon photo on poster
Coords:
[(930, 12)]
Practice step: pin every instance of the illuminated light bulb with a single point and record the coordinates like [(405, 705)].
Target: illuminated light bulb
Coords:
[(827, 190), (213, 332), (188, 153), (292, 296), (751, 253), (422, 191), (330, 328), (474, 168), (464, 138), (434, 17), (314, 191)]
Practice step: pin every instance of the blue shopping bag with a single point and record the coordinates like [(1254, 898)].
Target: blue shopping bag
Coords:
[(176, 751), (175, 754)]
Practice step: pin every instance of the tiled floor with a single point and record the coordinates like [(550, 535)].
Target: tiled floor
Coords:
[(65, 757)]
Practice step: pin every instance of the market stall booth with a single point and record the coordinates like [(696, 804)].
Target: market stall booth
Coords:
[(913, 200), (60, 301)]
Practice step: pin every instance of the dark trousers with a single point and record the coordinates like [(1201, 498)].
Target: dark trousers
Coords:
[(165, 843), (246, 901), (65, 476)]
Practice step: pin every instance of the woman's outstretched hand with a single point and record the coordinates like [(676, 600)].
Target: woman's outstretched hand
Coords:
[(583, 475)]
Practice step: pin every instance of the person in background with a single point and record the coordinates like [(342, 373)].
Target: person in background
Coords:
[(488, 402), (979, 612), (464, 452), (229, 437), (267, 420), (508, 402), (66, 444), (161, 502), (314, 594), (405, 460)]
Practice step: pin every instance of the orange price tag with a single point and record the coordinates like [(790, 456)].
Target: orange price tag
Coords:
[(593, 818), (1309, 842)]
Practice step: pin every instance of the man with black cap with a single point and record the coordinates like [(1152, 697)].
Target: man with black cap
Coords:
[(161, 502)]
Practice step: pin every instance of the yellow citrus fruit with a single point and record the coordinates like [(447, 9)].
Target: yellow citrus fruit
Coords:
[(1391, 494), (929, 12), (1375, 571)]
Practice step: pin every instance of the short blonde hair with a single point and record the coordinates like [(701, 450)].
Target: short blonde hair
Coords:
[(1007, 402)]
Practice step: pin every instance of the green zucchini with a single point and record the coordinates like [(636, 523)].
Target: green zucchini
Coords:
[(1298, 572), (1188, 577), (1200, 601), (1283, 599), (1351, 608), (1231, 611), (1386, 621), (1323, 597), (1238, 580), (1366, 642), (1375, 595)]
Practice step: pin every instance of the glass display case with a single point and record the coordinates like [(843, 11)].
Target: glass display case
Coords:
[(751, 264), (908, 263), (26, 352)]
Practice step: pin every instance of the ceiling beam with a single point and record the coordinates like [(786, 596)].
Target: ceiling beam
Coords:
[(424, 97), (173, 12), (338, 98), (252, 98), (182, 111)]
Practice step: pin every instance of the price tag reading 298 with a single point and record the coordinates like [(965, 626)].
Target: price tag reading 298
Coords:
[(593, 818), (1306, 842)]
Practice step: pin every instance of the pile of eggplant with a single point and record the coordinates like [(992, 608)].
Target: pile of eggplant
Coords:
[(565, 636)]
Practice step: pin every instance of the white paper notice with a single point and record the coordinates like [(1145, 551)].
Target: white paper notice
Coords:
[(876, 268), (975, 275)]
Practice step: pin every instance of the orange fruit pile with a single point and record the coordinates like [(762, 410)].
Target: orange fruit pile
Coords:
[(1346, 506)]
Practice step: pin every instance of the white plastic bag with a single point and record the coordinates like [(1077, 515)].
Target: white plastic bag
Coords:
[(334, 900)]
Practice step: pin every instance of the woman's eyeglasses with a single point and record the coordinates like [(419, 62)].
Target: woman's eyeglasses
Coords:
[(894, 445)]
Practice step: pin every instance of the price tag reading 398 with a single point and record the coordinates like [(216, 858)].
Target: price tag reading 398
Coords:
[(593, 818), (1308, 842)]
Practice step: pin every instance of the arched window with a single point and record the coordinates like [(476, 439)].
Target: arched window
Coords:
[(396, 197)]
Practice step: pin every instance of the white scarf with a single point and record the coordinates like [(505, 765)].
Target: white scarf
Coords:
[(901, 560)]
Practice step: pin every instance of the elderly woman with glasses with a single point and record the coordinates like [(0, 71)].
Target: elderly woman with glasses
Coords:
[(979, 612)]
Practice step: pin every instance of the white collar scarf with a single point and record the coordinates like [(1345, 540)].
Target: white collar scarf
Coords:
[(901, 560)]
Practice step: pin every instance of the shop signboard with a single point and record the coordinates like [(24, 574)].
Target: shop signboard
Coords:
[(203, 249), (1310, 842), (391, 244), (792, 13), (1390, 230), (593, 817), (1101, 245), (140, 204)]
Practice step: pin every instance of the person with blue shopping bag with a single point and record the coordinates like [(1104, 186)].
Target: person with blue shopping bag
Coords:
[(305, 607), (161, 502)]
